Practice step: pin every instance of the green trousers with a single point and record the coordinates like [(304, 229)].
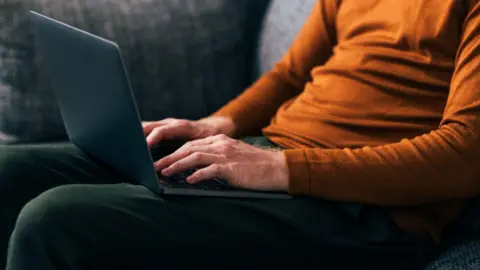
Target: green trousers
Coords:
[(59, 209)]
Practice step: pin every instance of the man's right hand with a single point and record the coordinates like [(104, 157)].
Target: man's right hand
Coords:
[(168, 129)]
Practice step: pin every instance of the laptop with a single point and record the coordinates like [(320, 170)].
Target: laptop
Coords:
[(100, 114)]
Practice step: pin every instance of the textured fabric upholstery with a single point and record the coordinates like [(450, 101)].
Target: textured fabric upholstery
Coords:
[(185, 58), (280, 27)]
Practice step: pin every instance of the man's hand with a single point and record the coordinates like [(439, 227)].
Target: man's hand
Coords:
[(240, 164), (168, 129)]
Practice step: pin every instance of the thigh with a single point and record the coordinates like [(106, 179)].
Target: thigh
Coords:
[(127, 226), (28, 170)]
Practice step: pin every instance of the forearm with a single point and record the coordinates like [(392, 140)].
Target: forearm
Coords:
[(438, 166), (220, 125), (253, 109)]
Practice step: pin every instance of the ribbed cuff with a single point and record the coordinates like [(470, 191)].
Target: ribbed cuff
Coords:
[(298, 171)]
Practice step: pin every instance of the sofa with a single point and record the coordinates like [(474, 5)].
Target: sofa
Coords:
[(185, 59)]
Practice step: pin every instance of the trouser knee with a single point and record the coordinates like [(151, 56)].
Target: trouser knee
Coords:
[(47, 217)]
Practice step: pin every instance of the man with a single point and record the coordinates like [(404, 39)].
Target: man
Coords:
[(373, 127)]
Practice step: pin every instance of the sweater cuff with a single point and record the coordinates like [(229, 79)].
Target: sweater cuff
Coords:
[(299, 172)]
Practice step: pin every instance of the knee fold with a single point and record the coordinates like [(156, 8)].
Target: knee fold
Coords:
[(49, 212)]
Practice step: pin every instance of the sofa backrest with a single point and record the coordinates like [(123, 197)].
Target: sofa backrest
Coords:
[(282, 22), (185, 58)]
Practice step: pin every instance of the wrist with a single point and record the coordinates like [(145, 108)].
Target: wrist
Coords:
[(283, 172), (219, 125)]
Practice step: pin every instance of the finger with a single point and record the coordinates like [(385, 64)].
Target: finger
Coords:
[(209, 140), (166, 132), (200, 145), (197, 142), (148, 126), (210, 172), (182, 153), (191, 162)]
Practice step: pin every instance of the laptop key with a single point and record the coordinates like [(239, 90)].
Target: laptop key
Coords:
[(217, 184), (165, 183), (179, 181)]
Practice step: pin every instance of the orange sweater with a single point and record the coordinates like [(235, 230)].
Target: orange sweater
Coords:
[(377, 102)]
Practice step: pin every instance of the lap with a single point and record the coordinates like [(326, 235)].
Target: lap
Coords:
[(127, 224), (109, 220), (28, 170)]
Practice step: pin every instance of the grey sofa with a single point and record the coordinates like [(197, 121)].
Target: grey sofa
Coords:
[(185, 58)]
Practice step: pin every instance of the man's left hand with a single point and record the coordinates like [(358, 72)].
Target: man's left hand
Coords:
[(240, 164)]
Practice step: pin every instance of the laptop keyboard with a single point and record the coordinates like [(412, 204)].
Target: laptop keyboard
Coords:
[(179, 181)]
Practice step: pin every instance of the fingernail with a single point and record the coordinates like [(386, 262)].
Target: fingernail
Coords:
[(166, 172)]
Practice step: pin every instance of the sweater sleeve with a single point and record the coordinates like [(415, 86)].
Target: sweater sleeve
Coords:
[(253, 109), (443, 164)]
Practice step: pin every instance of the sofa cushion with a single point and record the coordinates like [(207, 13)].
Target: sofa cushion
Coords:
[(463, 255), (185, 58), (460, 248), (280, 28), (469, 221)]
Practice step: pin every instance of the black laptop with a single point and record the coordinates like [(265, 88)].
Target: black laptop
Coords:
[(100, 114)]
